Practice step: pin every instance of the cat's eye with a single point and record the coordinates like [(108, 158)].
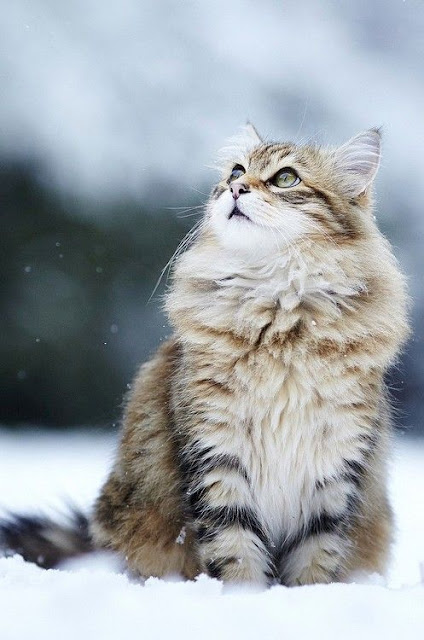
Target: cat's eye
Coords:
[(237, 171), (285, 178)]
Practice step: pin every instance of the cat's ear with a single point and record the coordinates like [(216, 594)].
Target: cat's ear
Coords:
[(251, 134), (239, 146), (356, 162)]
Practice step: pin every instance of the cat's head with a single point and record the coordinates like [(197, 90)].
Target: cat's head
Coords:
[(271, 195)]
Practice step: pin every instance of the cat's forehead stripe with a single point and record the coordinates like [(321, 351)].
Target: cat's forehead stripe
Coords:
[(264, 155)]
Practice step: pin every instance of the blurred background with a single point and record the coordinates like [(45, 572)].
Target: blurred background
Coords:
[(110, 114)]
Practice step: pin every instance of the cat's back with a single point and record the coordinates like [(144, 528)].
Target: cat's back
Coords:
[(147, 452)]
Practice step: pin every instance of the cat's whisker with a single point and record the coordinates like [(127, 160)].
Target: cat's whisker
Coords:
[(305, 109), (185, 242), (293, 249), (321, 232), (202, 193), (189, 215), (197, 206), (312, 139), (190, 211), (291, 246)]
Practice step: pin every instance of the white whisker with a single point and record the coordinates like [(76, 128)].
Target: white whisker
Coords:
[(185, 242)]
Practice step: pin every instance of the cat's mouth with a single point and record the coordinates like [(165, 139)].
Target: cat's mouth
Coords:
[(236, 213)]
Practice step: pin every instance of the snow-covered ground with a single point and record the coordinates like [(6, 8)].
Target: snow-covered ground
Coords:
[(92, 600)]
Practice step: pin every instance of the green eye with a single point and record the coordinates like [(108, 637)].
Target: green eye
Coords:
[(285, 178), (237, 171)]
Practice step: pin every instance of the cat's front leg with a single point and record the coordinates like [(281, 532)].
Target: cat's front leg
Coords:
[(232, 543), (319, 558), (320, 551)]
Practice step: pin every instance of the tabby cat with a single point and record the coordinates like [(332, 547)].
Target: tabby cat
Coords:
[(255, 442)]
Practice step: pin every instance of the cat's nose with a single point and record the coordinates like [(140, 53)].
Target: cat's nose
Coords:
[(237, 188)]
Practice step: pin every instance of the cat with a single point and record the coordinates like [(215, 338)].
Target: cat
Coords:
[(255, 443)]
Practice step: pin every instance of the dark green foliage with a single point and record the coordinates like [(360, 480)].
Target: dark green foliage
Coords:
[(76, 280)]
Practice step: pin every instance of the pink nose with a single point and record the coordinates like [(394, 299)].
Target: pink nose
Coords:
[(237, 188)]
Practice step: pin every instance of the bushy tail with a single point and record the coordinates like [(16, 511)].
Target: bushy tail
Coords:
[(40, 540)]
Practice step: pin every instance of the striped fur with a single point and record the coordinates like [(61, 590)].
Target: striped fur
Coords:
[(41, 540), (261, 429)]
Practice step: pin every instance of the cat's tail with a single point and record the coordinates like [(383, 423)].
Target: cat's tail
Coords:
[(41, 540)]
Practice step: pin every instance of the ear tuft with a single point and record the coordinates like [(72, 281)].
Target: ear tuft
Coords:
[(239, 146), (251, 133), (356, 162)]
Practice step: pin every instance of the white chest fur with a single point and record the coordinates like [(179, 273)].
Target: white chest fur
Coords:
[(287, 417), (288, 442)]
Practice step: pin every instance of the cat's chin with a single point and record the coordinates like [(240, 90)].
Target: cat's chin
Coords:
[(250, 241)]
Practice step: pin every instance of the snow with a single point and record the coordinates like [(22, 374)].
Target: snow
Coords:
[(91, 598)]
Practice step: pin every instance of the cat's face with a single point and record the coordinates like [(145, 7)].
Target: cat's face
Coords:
[(270, 195)]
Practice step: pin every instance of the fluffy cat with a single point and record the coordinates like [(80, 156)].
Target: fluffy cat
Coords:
[(254, 444)]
